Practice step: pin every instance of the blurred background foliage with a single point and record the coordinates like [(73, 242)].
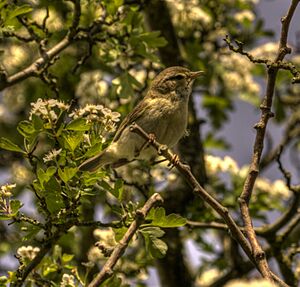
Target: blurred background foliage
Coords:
[(115, 49)]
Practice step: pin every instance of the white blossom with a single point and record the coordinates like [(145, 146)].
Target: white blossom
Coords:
[(268, 50), (28, 252), (280, 189), (6, 189), (51, 155), (67, 281), (105, 236), (20, 173), (46, 109), (208, 277), (215, 164), (54, 21), (244, 15)]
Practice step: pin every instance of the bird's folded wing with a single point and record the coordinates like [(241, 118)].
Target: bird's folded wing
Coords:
[(132, 117)]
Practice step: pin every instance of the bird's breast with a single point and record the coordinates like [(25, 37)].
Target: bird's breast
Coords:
[(167, 120)]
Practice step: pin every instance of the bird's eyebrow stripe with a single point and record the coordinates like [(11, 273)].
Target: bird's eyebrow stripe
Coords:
[(175, 76)]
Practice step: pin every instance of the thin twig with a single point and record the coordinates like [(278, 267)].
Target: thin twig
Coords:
[(107, 269)]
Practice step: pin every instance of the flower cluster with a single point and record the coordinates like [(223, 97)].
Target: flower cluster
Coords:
[(27, 253), (189, 13), (97, 113), (47, 109), (5, 190), (238, 75), (20, 173), (91, 87), (5, 194), (215, 165), (267, 50), (245, 15), (51, 155), (106, 238), (67, 281)]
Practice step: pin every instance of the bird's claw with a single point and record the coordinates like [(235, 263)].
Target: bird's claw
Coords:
[(174, 161), (152, 138)]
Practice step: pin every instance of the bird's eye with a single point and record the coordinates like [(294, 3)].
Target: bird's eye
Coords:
[(177, 77)]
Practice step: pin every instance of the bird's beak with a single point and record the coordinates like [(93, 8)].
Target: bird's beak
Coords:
[(194, 75)]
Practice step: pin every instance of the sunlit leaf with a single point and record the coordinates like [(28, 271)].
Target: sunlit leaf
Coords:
[(8, 145)]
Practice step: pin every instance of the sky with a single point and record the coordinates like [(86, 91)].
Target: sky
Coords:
[(239, 130)]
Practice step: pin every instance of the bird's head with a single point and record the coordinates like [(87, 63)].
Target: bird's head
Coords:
[(175, 79)]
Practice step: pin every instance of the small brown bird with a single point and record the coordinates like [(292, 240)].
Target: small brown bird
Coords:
[(162, 112)]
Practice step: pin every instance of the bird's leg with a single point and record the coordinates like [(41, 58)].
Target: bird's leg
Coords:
[(174, 161), (151, 139), (158, 161)]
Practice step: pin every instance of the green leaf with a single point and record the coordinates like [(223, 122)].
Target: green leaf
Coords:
[(152, 231), (159, 218), (113, 281), (44, 176), (15, 205), (53, 196), (119, 232), (158, 248), (90, 178), (67, 257), (95, 149), (67, 173), (26, 129), (73, 139), (155, 246), (78, 125), (37, 122), (212, 142), (8, 145), (4, 216), (108, 188), (31, 231), (153, 39), (118, 188), (19, 11), (112, 6)]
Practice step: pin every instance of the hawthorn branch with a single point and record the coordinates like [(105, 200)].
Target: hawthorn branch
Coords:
[(107, 269), (40, 65), (266, 114), (186, 173)]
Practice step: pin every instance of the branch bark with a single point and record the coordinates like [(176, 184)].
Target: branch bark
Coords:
[(107, 269), (266, 114), (185, 171)]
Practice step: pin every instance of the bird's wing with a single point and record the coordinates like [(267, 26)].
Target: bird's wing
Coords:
[(132, 117)]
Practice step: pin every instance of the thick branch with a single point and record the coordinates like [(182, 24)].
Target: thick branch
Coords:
[(198, 189), (260, 127), (42, 63), (107, 269), (185, 171)]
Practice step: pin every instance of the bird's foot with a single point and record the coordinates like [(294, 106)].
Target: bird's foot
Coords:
[(151, 139), (174, 161)]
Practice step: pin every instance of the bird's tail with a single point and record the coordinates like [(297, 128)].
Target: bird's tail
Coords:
[(96, 162)]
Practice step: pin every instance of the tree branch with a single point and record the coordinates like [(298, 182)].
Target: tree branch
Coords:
[(107, 269), (185, 171), (41, 64), (260, 127)]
